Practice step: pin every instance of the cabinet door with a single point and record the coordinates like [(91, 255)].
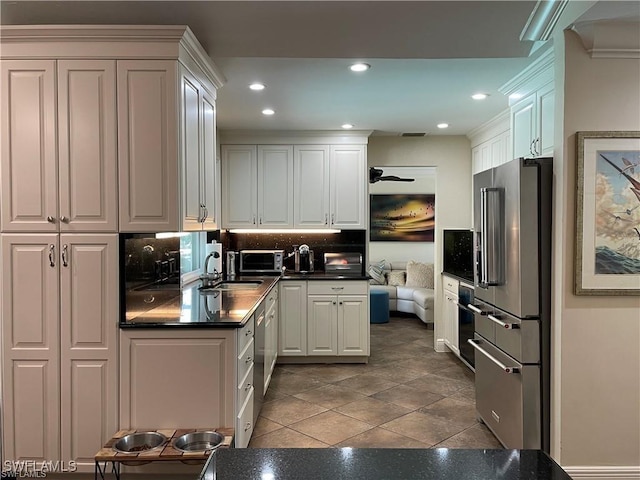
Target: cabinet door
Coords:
[(153, 361), (293, 319), (30, 347), (348, 186), (353, 325), (147, 145), (239, 186), (275, 186), (451, 321), (311, 186), (28, 167), (497, 151), (87, 161), (190, 115), (546, 108), (209, 187), (523, 126), (88, 344), (485, 156), (322, 325)]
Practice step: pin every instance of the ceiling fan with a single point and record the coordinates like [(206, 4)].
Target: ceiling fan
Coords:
[(375, 175)]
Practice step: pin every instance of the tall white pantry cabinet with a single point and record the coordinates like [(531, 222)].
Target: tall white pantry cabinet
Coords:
[(103, 129)]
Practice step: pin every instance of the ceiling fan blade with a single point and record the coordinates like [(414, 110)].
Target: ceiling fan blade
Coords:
[(393, 178)]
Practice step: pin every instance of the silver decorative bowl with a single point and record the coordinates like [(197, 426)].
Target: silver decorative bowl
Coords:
[(140, 442), (198, 441)]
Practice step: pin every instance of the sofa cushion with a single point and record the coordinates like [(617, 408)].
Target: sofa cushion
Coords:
[(396, 277), (423, 297), (419, 275), (405, 293), (376, 272)]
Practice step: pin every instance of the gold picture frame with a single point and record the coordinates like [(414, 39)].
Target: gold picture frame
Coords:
[(607, 260)]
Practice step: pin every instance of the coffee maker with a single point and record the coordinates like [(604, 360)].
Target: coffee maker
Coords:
[(303, 259)]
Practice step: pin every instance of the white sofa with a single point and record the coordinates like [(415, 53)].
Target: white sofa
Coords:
[(416, 300)]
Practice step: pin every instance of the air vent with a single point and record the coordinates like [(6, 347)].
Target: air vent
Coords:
[(413, 134)]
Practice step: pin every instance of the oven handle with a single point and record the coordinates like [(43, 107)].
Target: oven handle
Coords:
[(475, 309), (502, 366), (508, 326)]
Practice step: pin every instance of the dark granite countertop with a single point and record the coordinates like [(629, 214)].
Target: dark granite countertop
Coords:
[(191, 307), (381, 463), (321, 276)]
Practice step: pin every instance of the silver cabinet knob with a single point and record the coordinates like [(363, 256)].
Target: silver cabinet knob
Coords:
[(64, 219), (50, 219)]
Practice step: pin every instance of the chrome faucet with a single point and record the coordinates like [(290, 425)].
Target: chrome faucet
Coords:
[(206, 276)]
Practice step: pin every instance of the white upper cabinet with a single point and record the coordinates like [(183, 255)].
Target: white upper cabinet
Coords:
[(490, 143), (275, 186), (116, 132), (531, 99), (348, 186), (59, 173), (311, 186), (239, 186), (302, 185), (198, 146)]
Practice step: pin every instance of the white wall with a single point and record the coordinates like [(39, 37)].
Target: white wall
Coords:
[(451, 155), (596, 340), (424, 182)]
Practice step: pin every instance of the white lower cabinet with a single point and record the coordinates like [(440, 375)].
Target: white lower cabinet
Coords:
[(218, 390), (293, 319), (270, 336), (334, 315), (450, 313), (59, 330)]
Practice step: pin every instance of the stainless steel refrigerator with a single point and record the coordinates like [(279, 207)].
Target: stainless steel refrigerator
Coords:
[(512, 277)]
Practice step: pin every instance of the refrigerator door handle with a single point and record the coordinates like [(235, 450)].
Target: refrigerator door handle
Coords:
[(502, 366), (508, 326), (491, 254)]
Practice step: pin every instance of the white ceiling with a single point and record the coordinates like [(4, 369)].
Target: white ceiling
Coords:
[(427, 57)]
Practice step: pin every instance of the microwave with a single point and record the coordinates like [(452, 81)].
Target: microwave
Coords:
[(261, 261)]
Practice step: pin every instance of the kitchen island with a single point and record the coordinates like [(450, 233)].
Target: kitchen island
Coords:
[(381, 463)]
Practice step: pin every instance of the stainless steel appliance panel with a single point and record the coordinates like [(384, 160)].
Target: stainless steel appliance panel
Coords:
[(518, 338), (482, 291), (508, 396), (518, 292), (483, 325)]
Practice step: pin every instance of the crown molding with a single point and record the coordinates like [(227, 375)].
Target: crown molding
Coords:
[(538, 73), (610, 38), (489, 129), (295, 137)]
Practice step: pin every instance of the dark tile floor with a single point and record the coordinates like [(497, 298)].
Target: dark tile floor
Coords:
[(407, 396)]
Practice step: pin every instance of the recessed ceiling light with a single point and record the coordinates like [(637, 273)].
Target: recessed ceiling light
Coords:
[(443, 125), (256, 86), (360, 67), (479, 96), (268, 111), (347, 126)]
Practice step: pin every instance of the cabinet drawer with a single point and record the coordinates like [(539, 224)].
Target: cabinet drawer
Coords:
[(337, 288), (245, 360), (244, 422), (272, 298), (244, 388), (450, 284), (245, 334)]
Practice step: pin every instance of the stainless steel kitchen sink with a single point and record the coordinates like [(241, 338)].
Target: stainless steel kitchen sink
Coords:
[(233, 285)]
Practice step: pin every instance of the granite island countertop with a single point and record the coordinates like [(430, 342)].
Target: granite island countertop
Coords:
[(171, 306), (189, 306), (381, 463)]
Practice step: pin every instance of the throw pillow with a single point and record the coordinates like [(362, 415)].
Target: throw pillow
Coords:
[(396, 278), (419, 274), (376, 272)]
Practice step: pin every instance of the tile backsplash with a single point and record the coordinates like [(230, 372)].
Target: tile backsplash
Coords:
[(344, 241)]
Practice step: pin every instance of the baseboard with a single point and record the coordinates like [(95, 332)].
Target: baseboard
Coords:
[(603, 473)]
